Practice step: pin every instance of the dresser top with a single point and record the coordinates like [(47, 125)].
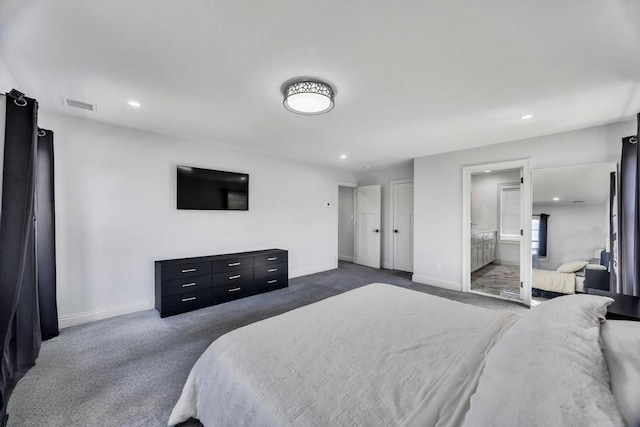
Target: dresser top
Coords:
[(221, 256)]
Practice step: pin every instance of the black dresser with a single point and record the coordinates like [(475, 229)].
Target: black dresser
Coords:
[(187, 284)]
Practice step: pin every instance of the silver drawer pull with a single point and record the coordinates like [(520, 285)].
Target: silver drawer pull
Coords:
[(272, 281), (273, 258), (188, 299), (271, 270), (186, 285), (189, 270), (237, 276), (234, 264), (234, 289)]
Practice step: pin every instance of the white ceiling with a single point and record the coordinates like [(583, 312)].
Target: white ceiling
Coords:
[(587, 183), (412, 77)]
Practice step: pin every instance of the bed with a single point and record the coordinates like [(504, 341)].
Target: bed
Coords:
[(385, 355), (567, 279)]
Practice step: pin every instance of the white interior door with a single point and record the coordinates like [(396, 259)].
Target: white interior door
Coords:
[(368, 206), (403, 226)]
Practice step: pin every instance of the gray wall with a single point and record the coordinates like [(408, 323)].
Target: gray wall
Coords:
[(116, 213), (574, 232), (346, 223), (438, 189)]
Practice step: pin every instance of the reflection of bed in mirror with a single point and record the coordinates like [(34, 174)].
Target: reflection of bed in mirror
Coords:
[(571, 231), (568, 279)]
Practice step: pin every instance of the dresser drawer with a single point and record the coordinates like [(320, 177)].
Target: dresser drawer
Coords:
[(269, 270), (232, 291), (232, 278), (271, 282), (279, 257), (185, 285), (174, 304), (177, 271), (232, 264)]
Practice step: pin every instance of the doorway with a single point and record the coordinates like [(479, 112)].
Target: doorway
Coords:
[(497, 230), (346, 223), (359, 224)]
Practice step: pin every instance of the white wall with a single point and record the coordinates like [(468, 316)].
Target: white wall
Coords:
[(116, 213), (382, 177), (346, 215), (485, 210), (574, 232), (438, 189)]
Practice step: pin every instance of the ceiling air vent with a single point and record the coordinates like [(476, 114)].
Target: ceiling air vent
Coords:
[(578, 201), (82, 105)]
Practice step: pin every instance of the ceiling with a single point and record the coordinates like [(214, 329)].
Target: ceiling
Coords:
[(589, 184), (412, 78)]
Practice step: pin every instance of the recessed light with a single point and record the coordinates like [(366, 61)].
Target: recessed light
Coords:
[(343, 156), (134, 104), (487, 171), (555, 199), (526, 116)]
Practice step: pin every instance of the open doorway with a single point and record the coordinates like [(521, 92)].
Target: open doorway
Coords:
[(359, 224), (497, 230), (346, 223)]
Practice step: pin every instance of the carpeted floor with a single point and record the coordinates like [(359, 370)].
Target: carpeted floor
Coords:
[(129, 370), (494, 279)]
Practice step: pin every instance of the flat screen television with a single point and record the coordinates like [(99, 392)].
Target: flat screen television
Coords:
[(206, 189)]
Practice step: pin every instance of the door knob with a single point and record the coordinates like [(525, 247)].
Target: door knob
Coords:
[(376, 230), (395, 231)]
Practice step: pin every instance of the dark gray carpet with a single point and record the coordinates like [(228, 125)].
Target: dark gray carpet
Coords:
[(129, 370)]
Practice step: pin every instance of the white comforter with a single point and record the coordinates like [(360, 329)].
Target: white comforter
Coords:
[(377, 355), (564, 283)]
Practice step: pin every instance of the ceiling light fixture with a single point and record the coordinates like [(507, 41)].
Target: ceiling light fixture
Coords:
[(555, 199), (526, 116), (487, 171), (134, 104), (308, 96), (343, 156)]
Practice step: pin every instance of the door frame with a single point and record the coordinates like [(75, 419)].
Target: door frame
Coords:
[(392, 184), (353, 185), (525, 212)]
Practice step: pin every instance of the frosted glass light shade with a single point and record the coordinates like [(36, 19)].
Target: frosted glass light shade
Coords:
[(308, 97)]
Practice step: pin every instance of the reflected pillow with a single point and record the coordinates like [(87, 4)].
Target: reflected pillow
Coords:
[(572, 266), (595, 267)]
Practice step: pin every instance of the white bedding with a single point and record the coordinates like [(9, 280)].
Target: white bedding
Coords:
[(564, 283), (377, 355)]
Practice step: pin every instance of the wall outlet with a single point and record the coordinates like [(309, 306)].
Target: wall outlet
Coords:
[(438, 266)]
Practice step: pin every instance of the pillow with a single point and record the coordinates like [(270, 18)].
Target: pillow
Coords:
[(595, 267), (572, 266), (621, 340), (548, 369)]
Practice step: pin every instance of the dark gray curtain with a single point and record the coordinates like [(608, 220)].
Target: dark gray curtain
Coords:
[(542, 235), (19, 338), (613, 285), (27, 247), (629, 228), (45, 236)]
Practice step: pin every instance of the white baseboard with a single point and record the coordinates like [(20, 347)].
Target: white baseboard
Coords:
[(387, 266), (506, 262), (105, 313), (437, 282), (345, 258), (307, 271)]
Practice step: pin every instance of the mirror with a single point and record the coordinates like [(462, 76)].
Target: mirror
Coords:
[(571, 228)]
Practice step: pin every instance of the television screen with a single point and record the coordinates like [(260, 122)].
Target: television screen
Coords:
[(205, 189)]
